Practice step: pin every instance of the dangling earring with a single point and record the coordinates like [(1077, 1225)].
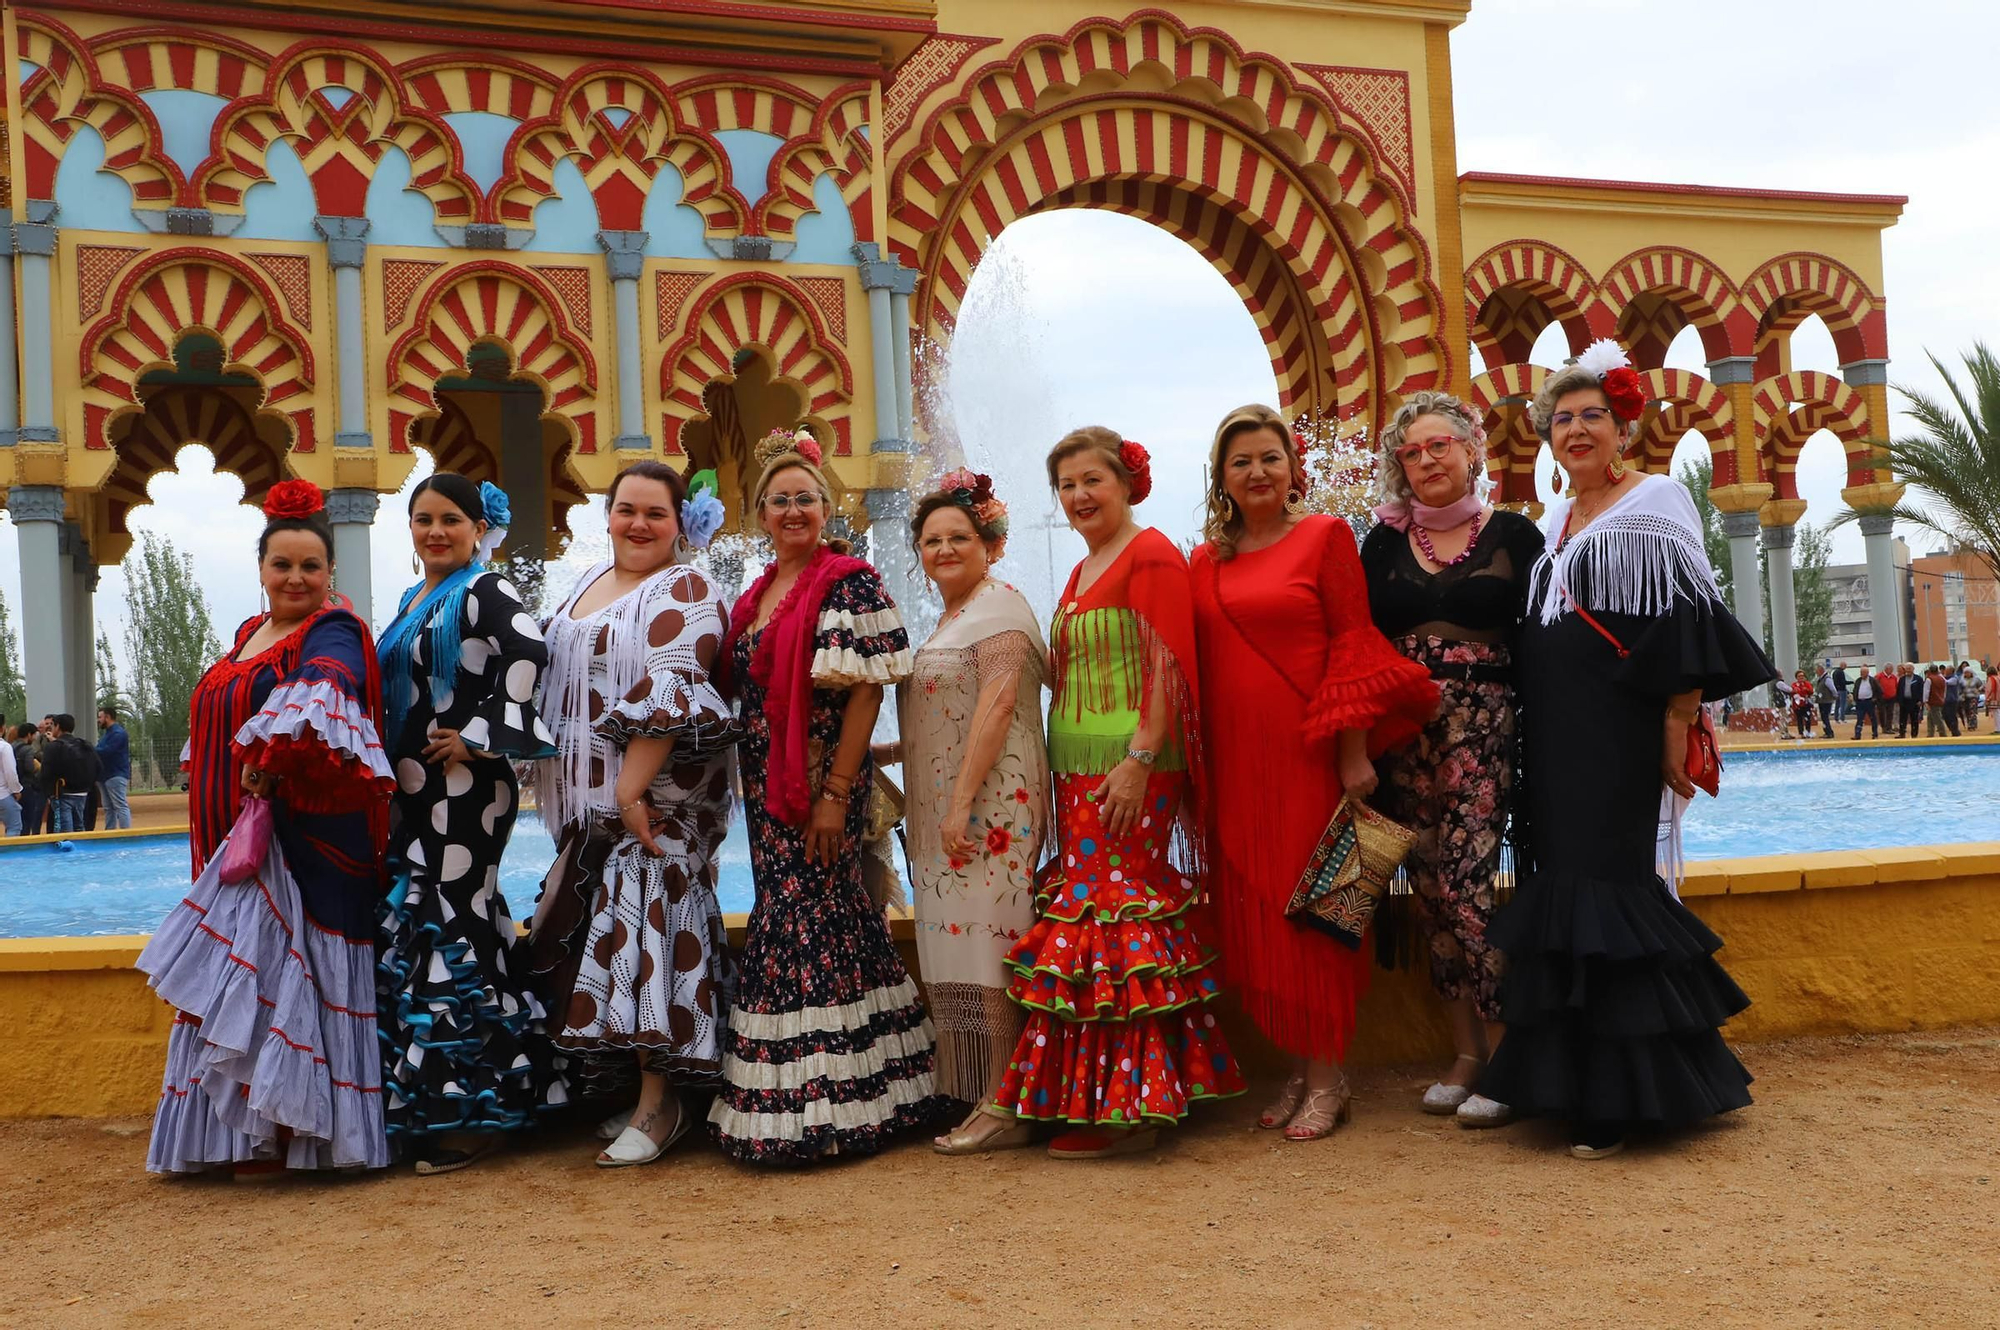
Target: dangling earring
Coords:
[(1228, 509), (1295, 502), (263, 601), (1616, 470), (416, 564)]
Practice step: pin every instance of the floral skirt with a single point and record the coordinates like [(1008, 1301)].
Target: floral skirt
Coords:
[(1450, 786), (1115, 977)]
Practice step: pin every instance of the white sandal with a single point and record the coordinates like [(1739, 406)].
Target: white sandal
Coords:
[(634, 1147)]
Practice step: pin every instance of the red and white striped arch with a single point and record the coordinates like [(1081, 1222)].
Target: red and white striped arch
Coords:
[(1688, 289), (620, 125), (1791, 408), (1678, 401), (1501, 396), (1149, 98), (1516, 289), (147, 442), (170, 293), (491, 301), (65, 95), (756, 311), (339, 142), (1782, 292)]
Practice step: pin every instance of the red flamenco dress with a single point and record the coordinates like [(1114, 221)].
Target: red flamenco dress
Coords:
[(1113, 973), (1289, 658)]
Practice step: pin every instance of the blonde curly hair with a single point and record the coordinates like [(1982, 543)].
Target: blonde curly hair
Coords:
[(1391, 486), (1222, 522)]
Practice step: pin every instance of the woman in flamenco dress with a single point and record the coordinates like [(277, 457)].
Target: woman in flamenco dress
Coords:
[(272, 1062), (1115, 976)]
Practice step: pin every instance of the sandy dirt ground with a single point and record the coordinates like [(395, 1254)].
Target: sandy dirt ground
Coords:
[(1863, 1189)]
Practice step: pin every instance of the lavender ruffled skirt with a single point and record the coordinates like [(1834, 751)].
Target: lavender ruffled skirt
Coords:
[(274, 1055)]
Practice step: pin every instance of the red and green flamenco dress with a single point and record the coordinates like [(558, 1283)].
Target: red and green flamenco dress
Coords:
[(1114, 975)]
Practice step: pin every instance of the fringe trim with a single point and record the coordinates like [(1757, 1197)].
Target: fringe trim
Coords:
[(1633, 563), (844, 667)]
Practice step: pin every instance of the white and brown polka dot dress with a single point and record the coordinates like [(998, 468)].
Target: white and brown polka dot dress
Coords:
[(629, 948)]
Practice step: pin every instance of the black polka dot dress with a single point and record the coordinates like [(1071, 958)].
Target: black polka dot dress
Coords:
[(463, 1045)]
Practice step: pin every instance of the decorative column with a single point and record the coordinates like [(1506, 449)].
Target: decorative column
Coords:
[(35, 242), (899, 336), (881, 278), (45, 592), (1741, 528), (1784, 611), (625, 259), (346, 250), (10, 372), (1884, 606), (351, 513)]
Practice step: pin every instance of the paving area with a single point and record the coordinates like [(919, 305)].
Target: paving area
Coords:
[(1863, 1189)]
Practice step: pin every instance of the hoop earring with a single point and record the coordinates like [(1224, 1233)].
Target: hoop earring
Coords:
[(1228, 509), (416, 564), (1295, 502)]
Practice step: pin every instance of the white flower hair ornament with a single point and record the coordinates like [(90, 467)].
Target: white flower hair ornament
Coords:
[(702, 513), (1606, 361)]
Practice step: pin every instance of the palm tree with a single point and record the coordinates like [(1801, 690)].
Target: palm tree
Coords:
[(1955, 461)]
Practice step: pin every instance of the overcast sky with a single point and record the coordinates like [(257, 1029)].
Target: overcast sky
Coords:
[(1092, 318)]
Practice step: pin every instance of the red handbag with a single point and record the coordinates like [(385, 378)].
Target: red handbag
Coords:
[(1704, 756), (249, 842)]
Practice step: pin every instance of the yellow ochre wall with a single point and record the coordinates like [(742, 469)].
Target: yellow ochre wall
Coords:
[(1849, 943)]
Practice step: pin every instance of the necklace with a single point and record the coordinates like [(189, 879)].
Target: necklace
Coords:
[(1424, 544)]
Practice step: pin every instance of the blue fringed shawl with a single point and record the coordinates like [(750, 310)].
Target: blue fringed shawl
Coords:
[(399, 643)]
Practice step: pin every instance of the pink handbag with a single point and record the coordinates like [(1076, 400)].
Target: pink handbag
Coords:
[(249, 842)]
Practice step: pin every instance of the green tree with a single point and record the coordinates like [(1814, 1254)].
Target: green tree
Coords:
[(109, 694), (13, 690), (1697, 476), (1812, 594), (169, 641), (1954, 461)]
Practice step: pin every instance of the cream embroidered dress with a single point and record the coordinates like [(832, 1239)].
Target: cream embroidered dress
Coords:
[(969, 912)]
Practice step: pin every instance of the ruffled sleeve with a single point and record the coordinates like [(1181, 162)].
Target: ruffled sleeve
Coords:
[(681, 620), (317, 730), (1698, 643), (860, 636), (1368, 684), (501, 659)]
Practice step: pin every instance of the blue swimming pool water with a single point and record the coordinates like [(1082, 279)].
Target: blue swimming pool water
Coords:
[(1771, 803)]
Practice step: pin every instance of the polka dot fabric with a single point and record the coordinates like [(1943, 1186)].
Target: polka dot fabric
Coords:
[(1114, 976)]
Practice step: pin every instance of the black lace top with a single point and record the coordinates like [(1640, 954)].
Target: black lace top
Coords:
[(1480, 600)]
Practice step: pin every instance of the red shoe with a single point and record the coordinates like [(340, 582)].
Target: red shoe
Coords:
[(1102, 1142)]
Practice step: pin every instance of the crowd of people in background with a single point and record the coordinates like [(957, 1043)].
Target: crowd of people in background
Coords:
[(1900, 701), (53, 781)]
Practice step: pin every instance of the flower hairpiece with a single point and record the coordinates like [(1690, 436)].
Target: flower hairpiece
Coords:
[(292, 500), (1139, 465), (499, 515), (806, 446), (973, 491), (702, 513), (1607, 361), (782, 441)]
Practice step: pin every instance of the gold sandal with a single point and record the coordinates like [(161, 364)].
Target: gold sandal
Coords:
[(1287, 1103), (961, 1141), (1322, 1111)]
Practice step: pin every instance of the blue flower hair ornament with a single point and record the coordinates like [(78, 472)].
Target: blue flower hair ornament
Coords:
[(499, 515), (702, 513)]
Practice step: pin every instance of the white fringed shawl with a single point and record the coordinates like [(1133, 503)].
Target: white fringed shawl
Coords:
[(1642, 554), (563, 786)]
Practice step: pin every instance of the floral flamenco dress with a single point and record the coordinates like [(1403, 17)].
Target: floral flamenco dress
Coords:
[(1113, 974), (273, 1055), (463, 1047), (830, 1051)]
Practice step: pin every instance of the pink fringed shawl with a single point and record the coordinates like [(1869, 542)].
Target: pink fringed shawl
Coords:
[(781, 663)]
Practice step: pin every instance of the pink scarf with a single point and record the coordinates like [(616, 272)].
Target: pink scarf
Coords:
[(1453, 515), (781, 663)]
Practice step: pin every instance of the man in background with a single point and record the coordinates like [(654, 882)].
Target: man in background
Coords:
[(70, 768), (1840, 690), (114, 763)]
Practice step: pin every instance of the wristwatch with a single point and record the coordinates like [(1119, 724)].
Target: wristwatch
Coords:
[(1145, 757)]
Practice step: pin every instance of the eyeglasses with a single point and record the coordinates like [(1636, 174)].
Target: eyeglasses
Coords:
[(1591, 416), (1436, 448), (805, 501)]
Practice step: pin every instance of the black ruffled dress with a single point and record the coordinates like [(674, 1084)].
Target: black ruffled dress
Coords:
[(1612, 997)]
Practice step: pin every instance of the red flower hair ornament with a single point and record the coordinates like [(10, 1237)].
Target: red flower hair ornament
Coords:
[(1622, 388), (294, 500), (1139, 463)]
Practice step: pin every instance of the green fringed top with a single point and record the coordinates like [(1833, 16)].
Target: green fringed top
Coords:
[(1100, 682)]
